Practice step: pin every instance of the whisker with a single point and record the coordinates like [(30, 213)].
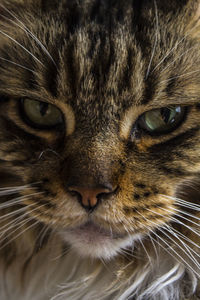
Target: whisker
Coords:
[(172, 231), (184, 53), (151, 231), (175, 47), (184, 237), (48, 150), (174, 242), (16, 64), (147, 254), (21, 46), (193, 207), (22, 223), (20, 209), (10, 224), (180, 76), (188, 252), (154, 246), (25, 29), (156, 39), (177, 221), (14, 201), (26, 229), (18, 188), (186, 213), (17, 219), (42, 234), (186, 246), (180, 216), (176, 253), (61, 255)]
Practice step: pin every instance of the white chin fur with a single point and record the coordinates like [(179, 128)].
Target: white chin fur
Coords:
[(98, 247)]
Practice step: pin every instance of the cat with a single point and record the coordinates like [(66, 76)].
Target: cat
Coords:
[(99, 149)]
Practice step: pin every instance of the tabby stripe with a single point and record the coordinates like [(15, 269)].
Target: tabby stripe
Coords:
[(137, 8), (150, 89), (125, 81), (19, 163), (11, 126), (170, 87), (95, 9), (179, 140), (71, 68), (51, 75), (179, 172), (140, 185)]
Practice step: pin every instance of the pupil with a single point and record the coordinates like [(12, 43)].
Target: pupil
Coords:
[(43, 109), (165, 113)]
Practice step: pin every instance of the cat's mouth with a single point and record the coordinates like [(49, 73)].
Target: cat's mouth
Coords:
[(90, 239), (90, 231)]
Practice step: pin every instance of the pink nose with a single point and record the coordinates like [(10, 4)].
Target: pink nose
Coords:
[(89, 197)]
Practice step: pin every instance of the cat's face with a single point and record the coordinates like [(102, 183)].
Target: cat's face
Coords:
[(99, 113)]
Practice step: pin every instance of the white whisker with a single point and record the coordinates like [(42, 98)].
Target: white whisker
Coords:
[(186, 213), (195, 205), (154, 247), (180, 216), (188, 252), (178, 57), (175, 47), (48, 150), (176, 221), (16, 220), (42, 234), (180, 76), (177, 234), (18, 188), (13, 202), (20, 209), (26, 229), (21, 46), (16, 64), (174, 242), (192, 206), (20, 224), (176, 253), (145, 250), (156, 39), (25, 29), (184, 237)]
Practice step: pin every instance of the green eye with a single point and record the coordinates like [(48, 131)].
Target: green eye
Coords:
[(163, 120), (41, 114)]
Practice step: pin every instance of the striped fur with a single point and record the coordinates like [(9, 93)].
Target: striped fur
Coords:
[(103, 64)]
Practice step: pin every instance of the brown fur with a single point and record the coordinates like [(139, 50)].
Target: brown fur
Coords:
[(99, 82)]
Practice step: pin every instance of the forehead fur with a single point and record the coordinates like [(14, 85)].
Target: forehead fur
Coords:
[(109, 55)]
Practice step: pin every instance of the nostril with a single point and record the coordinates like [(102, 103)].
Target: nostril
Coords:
[(107, 193), (89, 197), (74, 193)]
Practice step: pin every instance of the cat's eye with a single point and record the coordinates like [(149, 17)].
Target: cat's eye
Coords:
[(163, 120), (41, 114)]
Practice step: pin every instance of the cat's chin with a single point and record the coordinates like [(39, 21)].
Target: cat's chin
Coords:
[(90, 240)]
